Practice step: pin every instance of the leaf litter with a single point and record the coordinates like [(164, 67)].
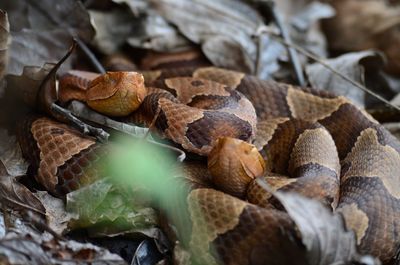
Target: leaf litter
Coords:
[(36, 34)]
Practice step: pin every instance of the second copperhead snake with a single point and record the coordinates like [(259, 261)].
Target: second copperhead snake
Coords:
[(330, 149)]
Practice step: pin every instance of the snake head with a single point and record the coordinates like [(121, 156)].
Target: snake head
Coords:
[(233, 164), (116, 93)]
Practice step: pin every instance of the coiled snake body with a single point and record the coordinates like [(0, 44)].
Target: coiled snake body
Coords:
[(314, 143)]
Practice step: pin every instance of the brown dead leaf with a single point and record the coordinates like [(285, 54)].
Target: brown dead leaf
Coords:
[(44, 249), (35, 48), (11, 155), (112, 28), (324, 234), (305, 27), (46, 14), (42, 30), (16, 196), (26, 86), (363, 67), (149, 31), (366, 24), (56, 215), (224, 28), (157, 34)]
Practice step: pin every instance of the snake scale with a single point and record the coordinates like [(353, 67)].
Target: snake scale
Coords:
[(310, 142)]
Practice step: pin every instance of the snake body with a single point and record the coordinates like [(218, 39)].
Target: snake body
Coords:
[(314, 143)]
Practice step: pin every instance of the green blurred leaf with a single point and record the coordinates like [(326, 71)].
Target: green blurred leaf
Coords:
[(102, 205)]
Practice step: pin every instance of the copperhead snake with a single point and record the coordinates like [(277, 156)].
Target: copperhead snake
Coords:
[(330, 149)]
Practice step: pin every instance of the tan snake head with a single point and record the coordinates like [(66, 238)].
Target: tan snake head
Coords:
[(116, 93), (113, 93), (233, 164)]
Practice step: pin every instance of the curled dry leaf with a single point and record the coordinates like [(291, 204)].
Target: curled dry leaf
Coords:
[(42, 30), (362, 67), (44, 249), (17, 196), (324, 234)]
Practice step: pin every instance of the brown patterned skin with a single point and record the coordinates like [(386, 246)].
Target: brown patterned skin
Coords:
[(314, 143), (196, 112), (322, 142), (61, 156)]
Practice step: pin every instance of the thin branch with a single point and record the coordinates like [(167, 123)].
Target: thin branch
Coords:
[(259, 54), (80, 110), (293, 56), (330, 68), (86, 129), (90, 55)]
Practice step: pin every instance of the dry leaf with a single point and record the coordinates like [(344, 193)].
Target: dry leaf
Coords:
[(224, 28), (26, 86), (353, 65), (324, 234), (112, 28), (11, 154), (366, 24), (56, 215), (16, 196), (137, 6), (157, 34), (35, 48), (44, 249), (41, 30), (306, 32), (151, 31)]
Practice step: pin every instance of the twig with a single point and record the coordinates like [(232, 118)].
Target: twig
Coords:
[(99, 133), (259, 54), (80, 110), (321, 61), (293, 56), (90, 55)]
